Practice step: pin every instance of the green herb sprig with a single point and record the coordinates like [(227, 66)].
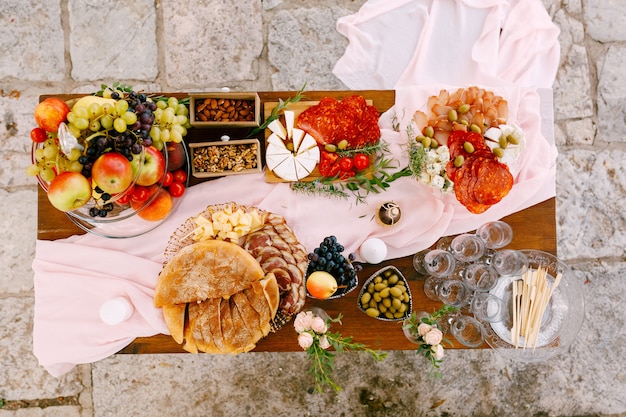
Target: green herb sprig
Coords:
[(323, 360), (276, 111)]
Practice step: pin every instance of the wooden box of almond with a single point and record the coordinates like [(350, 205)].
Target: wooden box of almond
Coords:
[(207, 110), (217, 159)]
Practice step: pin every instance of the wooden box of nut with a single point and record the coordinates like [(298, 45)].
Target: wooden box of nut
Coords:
[(224, 109), (217, 159)]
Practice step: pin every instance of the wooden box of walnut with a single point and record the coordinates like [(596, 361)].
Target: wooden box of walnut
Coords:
[(217, 159)]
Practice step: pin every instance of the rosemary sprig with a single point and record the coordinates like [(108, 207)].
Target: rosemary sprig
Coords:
[(276, 111), (376, 179), (417, 155)]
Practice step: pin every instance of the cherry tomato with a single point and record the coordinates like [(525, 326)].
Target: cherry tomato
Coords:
[(179, 176), (344, 175), (329, 166), (169, 179), (38, 135), (140, 194), (361, 162), (177, 189), (346, 163), (123, 199)]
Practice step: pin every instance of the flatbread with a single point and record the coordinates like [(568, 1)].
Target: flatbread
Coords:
[(206, 269), (174, 315)]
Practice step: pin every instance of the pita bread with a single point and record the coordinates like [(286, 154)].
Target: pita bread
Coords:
[(174, 315), (207, 269)]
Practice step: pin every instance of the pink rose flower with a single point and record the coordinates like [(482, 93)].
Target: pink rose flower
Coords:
[(303, 321), (437, 351), (305, 340), (318, 325), (433, 337), (324, 343), (423, 328)]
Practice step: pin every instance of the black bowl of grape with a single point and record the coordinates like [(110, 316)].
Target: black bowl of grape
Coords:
[(326, 261)]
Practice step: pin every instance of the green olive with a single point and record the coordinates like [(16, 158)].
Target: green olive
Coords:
[(397, 304), (377, 297), (406, 297), (365, 298), (343, 144), (378, 279), (370, 288), (389, 315), (372, 312), (475, 128), (463, 108), (503, 142), (512, 139), (382, 308), (329, 147), (452, 115), (379, 286), (426, 142), (387, 302), (393, 279), (498, 152), (384, 293), (429, 131), (395, 292), (458, 161), (469, 148)]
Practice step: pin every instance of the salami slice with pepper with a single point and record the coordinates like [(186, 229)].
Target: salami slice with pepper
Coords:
[(481, 180), (320, 121), (331, 121)]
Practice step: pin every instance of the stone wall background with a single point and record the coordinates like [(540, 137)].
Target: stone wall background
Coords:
[(73, 46)]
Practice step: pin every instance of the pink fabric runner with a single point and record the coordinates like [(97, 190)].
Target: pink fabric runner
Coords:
[(75, 276)]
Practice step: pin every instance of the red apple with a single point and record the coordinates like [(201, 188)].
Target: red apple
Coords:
[(175, 155), (69, 191), (112, 172), (158, 208), (50, 113), (151, 168)]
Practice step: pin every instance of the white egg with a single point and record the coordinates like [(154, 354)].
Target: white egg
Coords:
[(373, 250)]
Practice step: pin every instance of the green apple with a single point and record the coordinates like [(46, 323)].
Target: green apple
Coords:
[(150, 166), (69, 191)]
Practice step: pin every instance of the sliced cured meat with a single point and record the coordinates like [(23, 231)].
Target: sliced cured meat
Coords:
[(320, 121), (283, 278), (493, 182), (331, 121)]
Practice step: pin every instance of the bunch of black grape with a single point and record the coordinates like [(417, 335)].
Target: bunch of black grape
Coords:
[(328, 257), (128, 140)]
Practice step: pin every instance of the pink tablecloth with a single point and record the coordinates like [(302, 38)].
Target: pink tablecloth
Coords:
[(74, 276)]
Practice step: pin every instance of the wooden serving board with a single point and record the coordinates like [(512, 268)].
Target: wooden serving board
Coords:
[(297, 108)]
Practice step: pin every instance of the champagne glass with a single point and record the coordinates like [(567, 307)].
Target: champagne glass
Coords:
[(439, 263), (454, 292), (509, 262), (468, 331), (418, 262), (496, 234), (467, 247), (479, 277), (431, 286), (488, 307)]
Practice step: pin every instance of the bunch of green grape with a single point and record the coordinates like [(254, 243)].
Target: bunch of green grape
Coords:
[(49, 160)]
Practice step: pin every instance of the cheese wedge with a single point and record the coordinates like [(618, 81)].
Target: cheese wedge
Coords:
[(277, 128)]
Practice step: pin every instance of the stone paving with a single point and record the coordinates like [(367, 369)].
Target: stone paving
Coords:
[(74, 46)]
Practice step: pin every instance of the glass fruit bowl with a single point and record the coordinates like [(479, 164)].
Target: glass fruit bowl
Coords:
[(121, 221), (560, 322)]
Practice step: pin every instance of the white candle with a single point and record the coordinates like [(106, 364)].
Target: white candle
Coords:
[(116, 311)]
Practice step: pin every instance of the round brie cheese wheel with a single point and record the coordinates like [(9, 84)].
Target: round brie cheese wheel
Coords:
[(291, 165)]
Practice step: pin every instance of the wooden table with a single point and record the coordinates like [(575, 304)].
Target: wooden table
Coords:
[(534, 228)]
